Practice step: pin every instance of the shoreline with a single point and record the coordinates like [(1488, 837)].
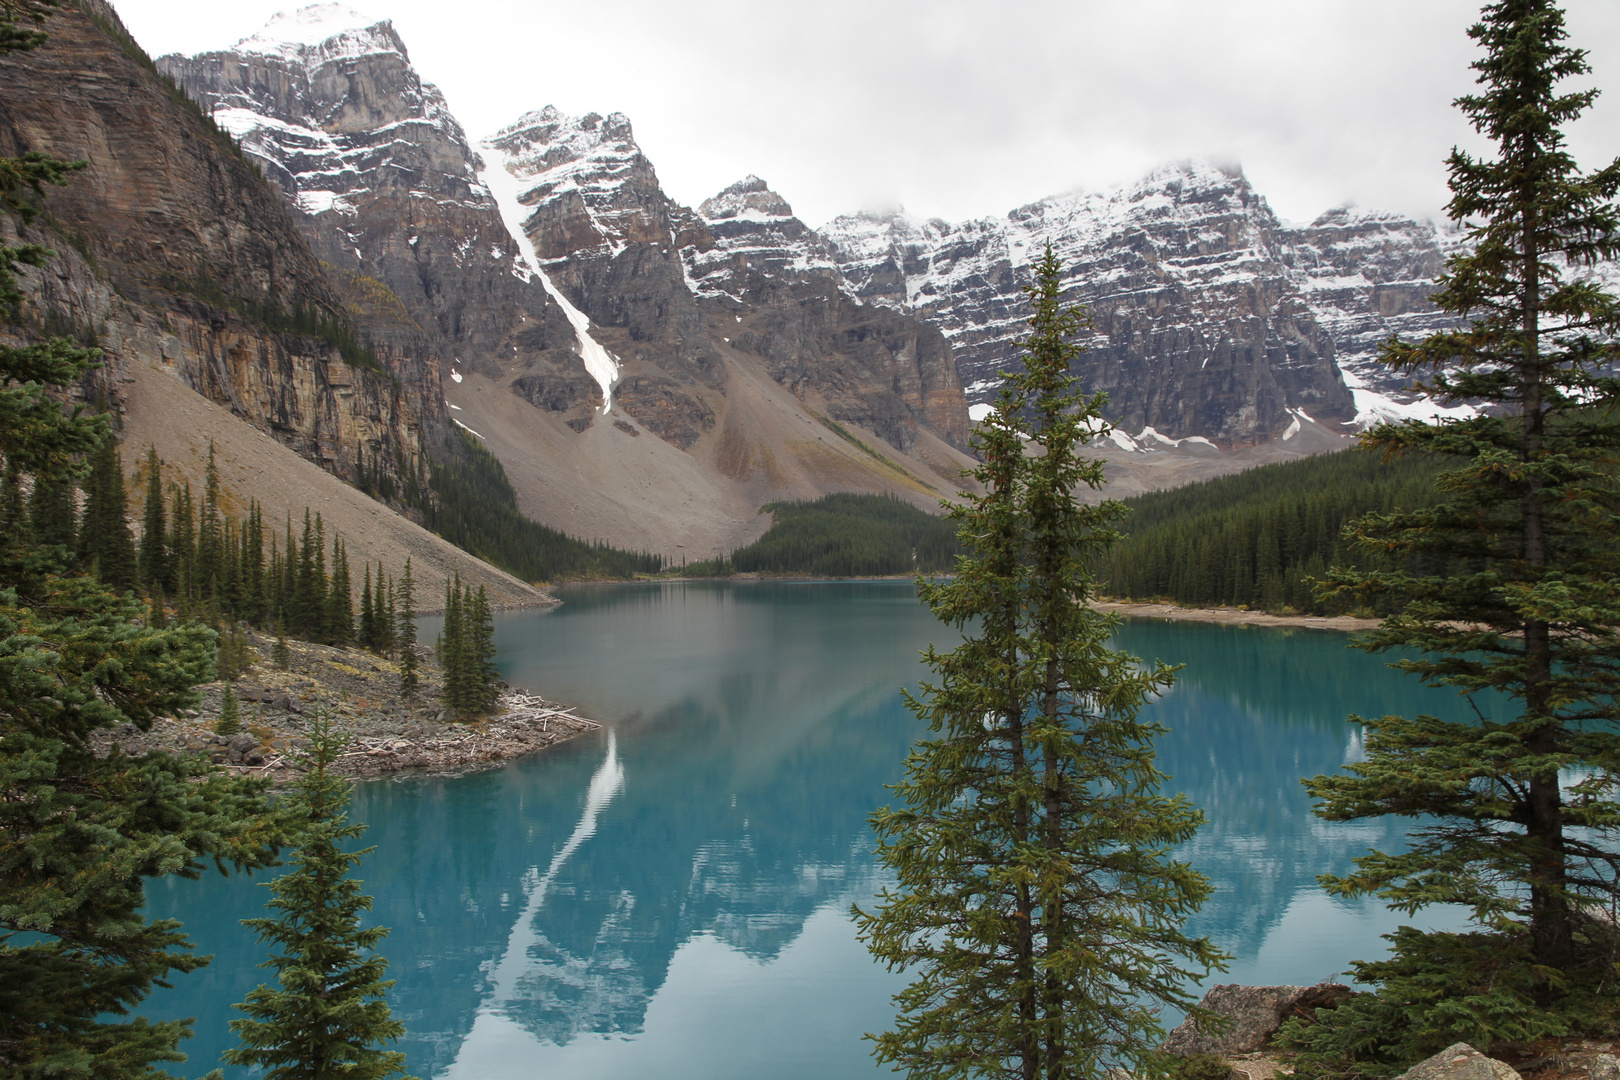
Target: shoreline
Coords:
[(359, 692), (1348, 624)]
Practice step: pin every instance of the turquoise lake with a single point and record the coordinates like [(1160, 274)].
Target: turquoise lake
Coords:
[(669, 897)]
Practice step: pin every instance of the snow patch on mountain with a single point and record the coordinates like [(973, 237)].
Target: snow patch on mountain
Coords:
[(312, 29), (602, 365), (586, 174), (753, 231)]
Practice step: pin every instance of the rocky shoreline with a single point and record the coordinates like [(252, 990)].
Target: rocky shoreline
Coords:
[(1250, 1016), (359, 692), (1236, 616)]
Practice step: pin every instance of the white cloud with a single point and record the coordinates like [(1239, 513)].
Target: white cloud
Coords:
[(962, 108)]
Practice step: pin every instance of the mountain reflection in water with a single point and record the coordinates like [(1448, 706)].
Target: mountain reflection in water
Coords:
[(671, 895)]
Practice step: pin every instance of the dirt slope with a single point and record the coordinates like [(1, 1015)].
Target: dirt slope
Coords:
[(618, 481), (163, 412)]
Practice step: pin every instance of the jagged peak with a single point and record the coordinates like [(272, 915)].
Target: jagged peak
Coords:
[(552, 126), (749, 197), (323, 32)]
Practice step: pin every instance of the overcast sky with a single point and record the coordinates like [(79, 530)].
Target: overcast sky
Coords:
[(967, 108)]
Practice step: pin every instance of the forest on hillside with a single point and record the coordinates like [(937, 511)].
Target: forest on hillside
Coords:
[(1258, 538), (843, 535)]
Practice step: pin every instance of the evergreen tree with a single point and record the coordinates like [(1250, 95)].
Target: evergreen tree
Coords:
[(457, 690), (210, 535), (387, 614), (183, 546), (1035, 899), (153, 559), (405, 635), (340, 600), (105, 545), (309, 591), (329, 1009), (280, 653), (1531, 519), (256, 602), (83, 831), (53, 512), (230, 713), (368, 613), (13, 507), (482, 674)]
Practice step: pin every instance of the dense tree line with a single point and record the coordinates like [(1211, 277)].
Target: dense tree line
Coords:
[(1259, 537), (844, 535), (474, 507), (202, 561), (467, 651)]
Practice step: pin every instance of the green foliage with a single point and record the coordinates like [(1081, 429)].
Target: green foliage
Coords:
[(280, 654), (81, 831), (1261, 536), (1517, 814), (405, 636), (1437, 989), (329, 1009), (1200, 1067), (844, 535), (467, 651), (106, 548), (475, 508), (230, 713), (1035, 902), (236, 655)]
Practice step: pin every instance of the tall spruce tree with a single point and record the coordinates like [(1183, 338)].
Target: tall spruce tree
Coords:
[(105, 545), (1517, 816), (405, 636), (210, 535), (482, 674), (456, 691), (1035, 900), (152, 561), (340, 600), (82, 830), (368, 613), (329, 1009)]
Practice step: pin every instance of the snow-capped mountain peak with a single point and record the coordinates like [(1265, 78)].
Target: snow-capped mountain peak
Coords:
[(321, 33), (749, 197)]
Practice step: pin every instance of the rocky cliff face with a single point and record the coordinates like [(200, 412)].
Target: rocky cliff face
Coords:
[(1213, 317), (173, 252), (548, 274), (389, 195), (742, 273), (1199, 327)]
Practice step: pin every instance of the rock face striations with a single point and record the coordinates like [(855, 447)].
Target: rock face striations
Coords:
[(1212, 317), (628, 395), (1198, 329), (173, 252), (387, 192), (742, 275)]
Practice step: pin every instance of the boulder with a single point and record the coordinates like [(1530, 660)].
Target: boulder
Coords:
[(1605, 1067), (1459, 1061), (1253, 1015)]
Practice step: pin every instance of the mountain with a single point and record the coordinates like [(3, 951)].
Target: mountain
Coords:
[(1199, 328), (547, 268), (215, 317), (1213, 317)]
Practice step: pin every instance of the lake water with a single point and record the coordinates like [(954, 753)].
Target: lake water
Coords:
[(670, 897)]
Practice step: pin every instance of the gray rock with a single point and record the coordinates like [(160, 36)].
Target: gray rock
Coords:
[(1253, 1015), (1460, 1062), (241, 743), (1605, 1067)]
